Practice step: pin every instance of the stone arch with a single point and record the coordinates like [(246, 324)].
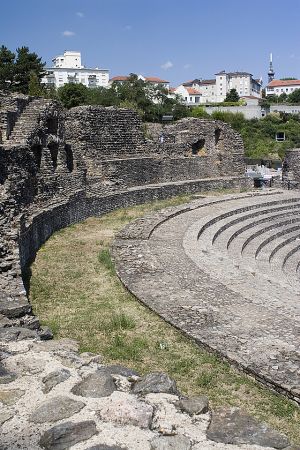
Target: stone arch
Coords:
[(197, 146)]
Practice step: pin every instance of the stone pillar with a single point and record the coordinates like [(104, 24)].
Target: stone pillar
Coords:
[(292, 161)]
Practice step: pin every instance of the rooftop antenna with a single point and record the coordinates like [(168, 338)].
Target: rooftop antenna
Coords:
[(271, 73)]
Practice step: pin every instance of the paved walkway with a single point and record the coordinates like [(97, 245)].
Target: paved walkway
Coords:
[(226, 271)]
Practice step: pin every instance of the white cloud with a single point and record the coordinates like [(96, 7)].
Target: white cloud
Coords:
[(187, 66), (68, 33), (79, 14), (167, 65), (128, 28)]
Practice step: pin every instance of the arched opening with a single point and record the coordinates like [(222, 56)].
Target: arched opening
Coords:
[(197, 146), (217, 135), (54, 152), (69, 157), (37, 152), (52, 125)]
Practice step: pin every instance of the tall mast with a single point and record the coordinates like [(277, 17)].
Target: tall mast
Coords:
[(271, 73)]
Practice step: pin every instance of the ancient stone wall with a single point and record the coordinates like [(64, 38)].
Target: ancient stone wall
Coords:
[(11, 107), (217, 141), (292, 159), (58, 167), (192, 148), (99, 133)]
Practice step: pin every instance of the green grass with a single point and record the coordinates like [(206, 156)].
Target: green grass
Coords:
[(75, 291), (105, 259)]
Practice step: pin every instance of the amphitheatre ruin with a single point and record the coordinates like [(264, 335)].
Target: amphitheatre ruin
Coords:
[(224, 270)]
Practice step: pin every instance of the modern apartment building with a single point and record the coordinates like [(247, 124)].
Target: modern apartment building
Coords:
[(67, 68), (215, 90)]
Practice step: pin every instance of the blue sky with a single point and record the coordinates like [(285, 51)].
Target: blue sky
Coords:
[(175, 40)]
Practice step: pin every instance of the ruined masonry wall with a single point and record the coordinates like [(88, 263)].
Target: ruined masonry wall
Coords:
[(59, 167), (293, 160)]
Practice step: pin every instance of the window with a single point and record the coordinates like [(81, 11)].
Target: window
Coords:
[(191, 99), (280, 136), (185, 98)]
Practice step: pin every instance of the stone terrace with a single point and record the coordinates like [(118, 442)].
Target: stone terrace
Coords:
[(226, 272)]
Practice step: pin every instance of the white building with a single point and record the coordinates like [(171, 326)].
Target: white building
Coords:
[(242, 82), (278, 87), (190, 95), (67, 68), (152, 80), (215, 90)]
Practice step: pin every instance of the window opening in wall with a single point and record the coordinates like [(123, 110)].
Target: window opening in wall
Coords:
[(69, 157), (280, 136), (52, 125), (217, 135), (197, 146), (37, 152), (54, 152)]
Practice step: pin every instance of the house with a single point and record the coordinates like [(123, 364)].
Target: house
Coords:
[(278, 87), (215, 90), (189, 95), (152, 80), (67, 68)]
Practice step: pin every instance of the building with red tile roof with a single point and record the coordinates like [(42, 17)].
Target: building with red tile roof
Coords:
[(278, 87)]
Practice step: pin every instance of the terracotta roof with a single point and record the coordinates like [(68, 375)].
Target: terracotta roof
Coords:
[(119, 78), (155, 80), (192, 91), (207, 82), (172, 89), (278, 83)]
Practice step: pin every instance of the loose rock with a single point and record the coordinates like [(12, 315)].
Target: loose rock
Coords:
[(155, 382), (233, 426), (54, 378), (6, 376), (193, 405), (98, 384), (66, 434), (56, 409), (11, 397), (5, 416)]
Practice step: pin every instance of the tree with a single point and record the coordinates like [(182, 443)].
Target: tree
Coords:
[(200, 113), (294, 97), (34, 86), (7, 59), (232, 96), (25, 64), (73, 95)]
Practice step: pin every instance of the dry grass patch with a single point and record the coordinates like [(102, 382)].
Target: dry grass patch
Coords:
[(75, 291)]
